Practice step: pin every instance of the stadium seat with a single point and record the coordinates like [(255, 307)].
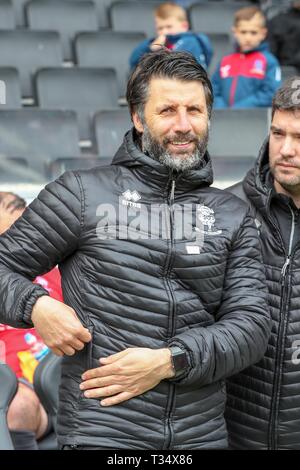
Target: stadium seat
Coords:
[(8, 389), (38, 136), (10, 88), (108, 49), (46, 382), (133, 16), (288, 71), (231, 169), (222, 45), (28, 51), (238, 132), (214, 16), (85, 90), (16, 170), (110, 127), (68, 18), (7, 16), (61, 165), (102, 7)]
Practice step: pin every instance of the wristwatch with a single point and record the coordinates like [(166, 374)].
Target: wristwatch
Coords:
[(180, 361)]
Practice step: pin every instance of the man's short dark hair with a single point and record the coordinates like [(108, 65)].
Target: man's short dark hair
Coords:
[(165, 64), (17, 203), (287, 97)]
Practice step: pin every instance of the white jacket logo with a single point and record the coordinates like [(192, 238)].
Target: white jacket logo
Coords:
[(207, 218), (131, 198)]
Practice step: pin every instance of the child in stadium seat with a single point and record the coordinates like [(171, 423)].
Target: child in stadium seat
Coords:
[(249, 77), (23, 349), (172, 28)]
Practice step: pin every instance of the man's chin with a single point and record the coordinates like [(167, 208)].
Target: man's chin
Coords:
[(181, 156), (288, 183)]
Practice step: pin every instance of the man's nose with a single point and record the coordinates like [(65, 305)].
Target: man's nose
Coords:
[(182, 122), (288, 148)]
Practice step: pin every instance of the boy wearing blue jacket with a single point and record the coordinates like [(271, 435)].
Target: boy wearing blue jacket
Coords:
[(172, 28), (249, 77)]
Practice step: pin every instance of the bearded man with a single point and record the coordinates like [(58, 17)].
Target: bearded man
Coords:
[(163, 284)]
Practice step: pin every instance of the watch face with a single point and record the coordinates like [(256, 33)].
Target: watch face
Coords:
[(180, 360)]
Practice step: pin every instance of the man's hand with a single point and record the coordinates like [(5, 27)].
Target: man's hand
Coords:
[(127, 374), (59, 326), (158, 43)]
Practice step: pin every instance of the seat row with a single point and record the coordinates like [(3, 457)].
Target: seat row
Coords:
[(110, 13), (36, 145), (29, 51)]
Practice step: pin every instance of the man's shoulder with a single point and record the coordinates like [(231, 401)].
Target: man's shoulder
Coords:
[(98, 171), (232, 197), (237, 190)]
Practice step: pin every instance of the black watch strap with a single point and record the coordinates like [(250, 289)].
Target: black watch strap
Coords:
[(179, 360)]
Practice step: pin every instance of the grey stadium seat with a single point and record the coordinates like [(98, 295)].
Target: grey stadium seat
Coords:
[(46, 382), (8, 389), (61, 165), (133, 16), (222, 45), (85, 90), (68, 18), (10, 88), (108, 49), (214, 16), (231, 169), (238, 132), (39, 136), (7, 17), (16, 170), (110, 127), (102, 7), (28, 51)]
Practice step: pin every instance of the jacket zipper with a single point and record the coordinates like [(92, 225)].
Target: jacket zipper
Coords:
[(280, 342), (171, 326)]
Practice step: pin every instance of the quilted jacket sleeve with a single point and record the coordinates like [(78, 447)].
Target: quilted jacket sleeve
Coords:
[(239, 337), (47, 232)]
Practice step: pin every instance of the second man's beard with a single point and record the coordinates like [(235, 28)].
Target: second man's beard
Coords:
[(178, 162)]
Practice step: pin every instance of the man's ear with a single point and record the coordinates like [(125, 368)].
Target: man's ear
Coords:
[(137, 122)]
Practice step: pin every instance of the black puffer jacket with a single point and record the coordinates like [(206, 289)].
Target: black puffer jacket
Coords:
[(148, 292), (284, 37), (263, 408)]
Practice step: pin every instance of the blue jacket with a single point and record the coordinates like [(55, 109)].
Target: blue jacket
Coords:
[(246, 80), (197, 44)]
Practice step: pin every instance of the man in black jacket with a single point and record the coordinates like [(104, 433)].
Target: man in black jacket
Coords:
[(263, 410), (162, 278), (284, 36)]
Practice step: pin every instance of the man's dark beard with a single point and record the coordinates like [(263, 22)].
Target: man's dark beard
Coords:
[(159, 152)]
